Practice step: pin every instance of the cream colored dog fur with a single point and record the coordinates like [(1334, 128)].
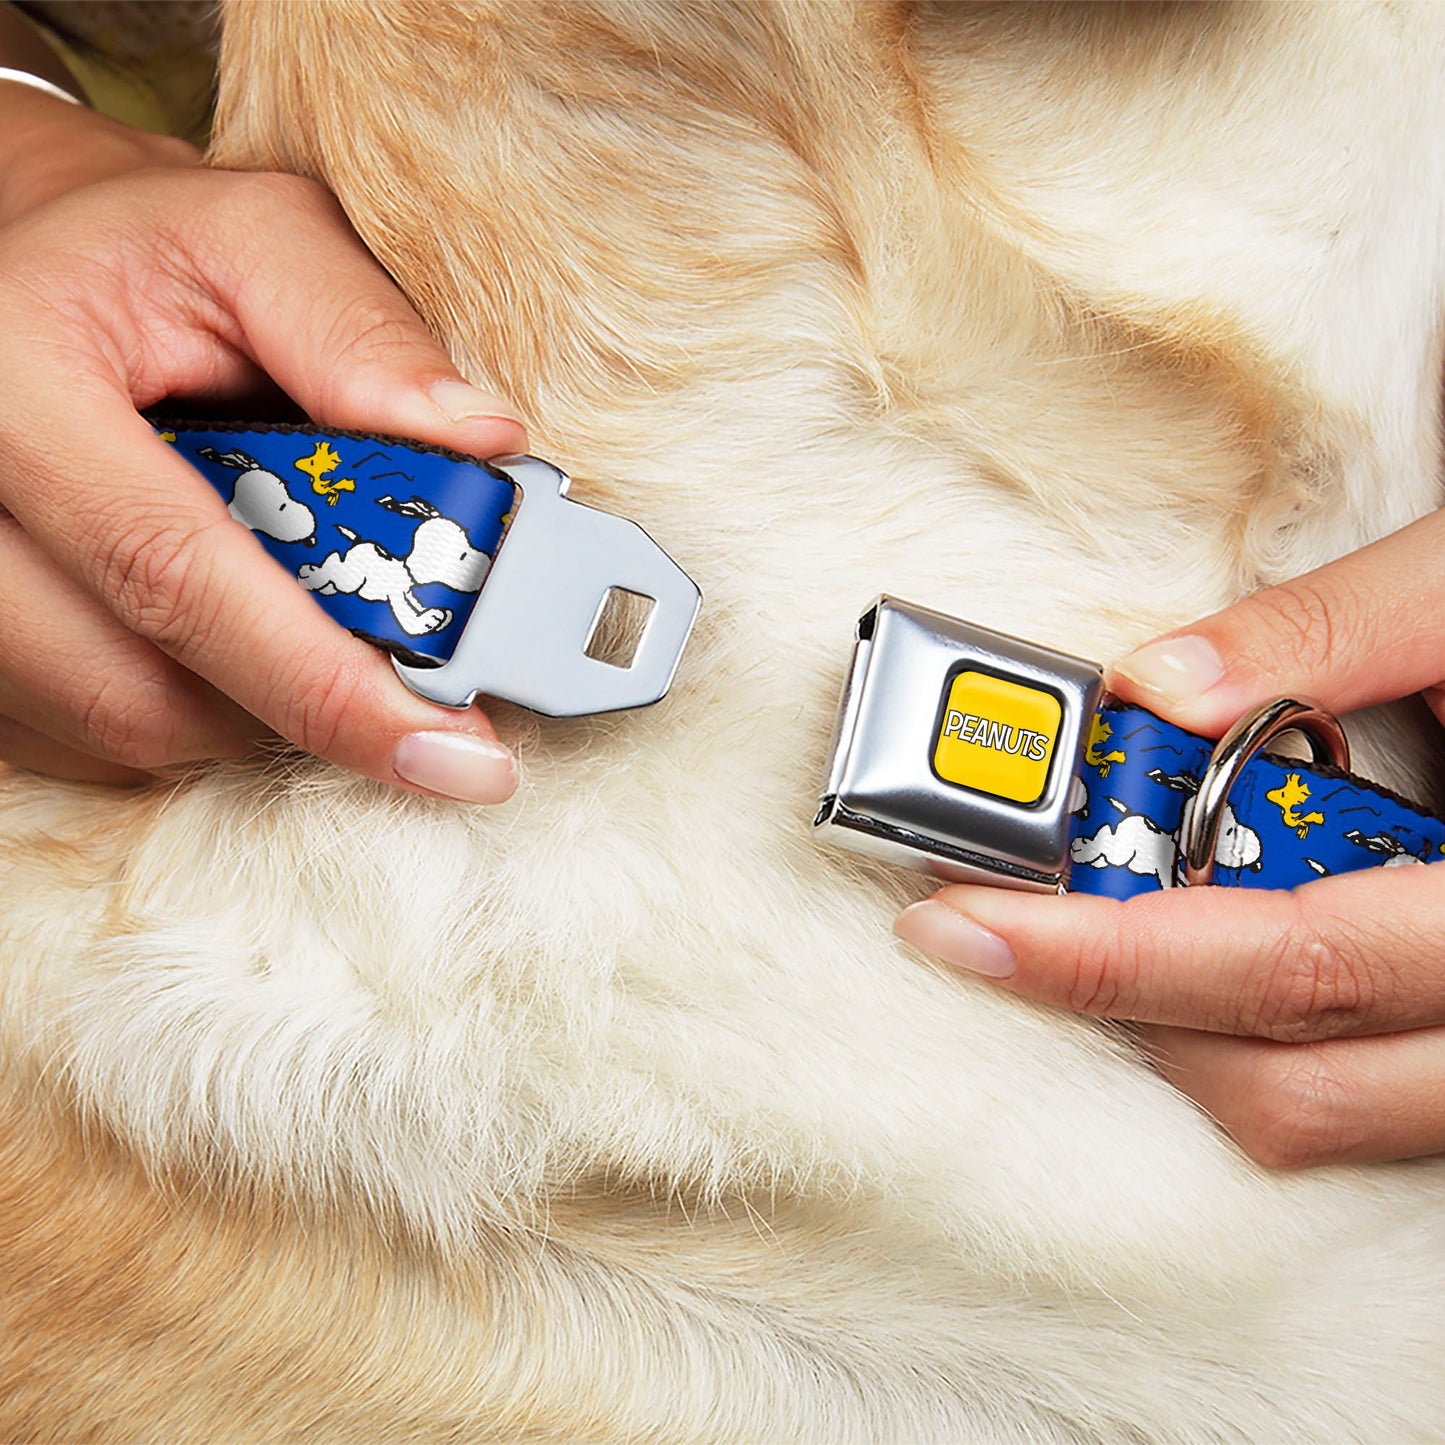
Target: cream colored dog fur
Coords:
[(616, 1112)]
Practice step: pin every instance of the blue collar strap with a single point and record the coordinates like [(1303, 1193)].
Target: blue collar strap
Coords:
[(1284, 822), (953, 741), (477, 577), (981, 758)]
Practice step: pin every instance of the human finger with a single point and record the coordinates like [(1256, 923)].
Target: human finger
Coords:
[(36, 752), (1357, 953), (332, 329), (69, 670), (1294, 1106), (1362, 630)]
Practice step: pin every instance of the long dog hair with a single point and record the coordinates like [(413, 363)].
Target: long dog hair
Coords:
[(616, 1112)]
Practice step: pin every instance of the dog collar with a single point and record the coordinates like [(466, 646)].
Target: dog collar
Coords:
[(980, 758), (478, 577)]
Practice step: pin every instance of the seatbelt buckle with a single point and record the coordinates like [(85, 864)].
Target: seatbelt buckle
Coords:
[(528, 636), (957, 750)]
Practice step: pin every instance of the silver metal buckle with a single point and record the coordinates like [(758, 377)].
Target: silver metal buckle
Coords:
[(526, 638), (1199, 836), (957, 748)]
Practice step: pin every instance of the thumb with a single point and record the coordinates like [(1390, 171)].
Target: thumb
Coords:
[(333, 330), (1359, 631)]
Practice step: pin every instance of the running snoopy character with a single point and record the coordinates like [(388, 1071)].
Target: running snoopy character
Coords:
[(440, 552), (440, 549), (1141, 846), (259, 499)]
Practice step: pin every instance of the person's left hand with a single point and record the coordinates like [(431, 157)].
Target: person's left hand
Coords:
[(1310, 1023), (142, 630)]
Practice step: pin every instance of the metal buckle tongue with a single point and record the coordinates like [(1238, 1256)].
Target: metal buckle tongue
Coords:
[(957, 749), (527, 636)]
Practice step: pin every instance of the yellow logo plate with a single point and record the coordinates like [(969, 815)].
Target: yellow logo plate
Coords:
[(997, 736)]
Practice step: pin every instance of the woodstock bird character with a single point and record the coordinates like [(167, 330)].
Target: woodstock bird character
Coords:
[(1099, 734), (440, 552), (261, 501), (318, 466), (1287, 798)]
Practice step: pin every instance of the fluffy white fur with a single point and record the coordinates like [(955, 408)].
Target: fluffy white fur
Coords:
[(1076, 323)]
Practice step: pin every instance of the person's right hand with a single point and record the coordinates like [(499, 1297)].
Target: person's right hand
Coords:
[(140, 627), (1309, 1022)]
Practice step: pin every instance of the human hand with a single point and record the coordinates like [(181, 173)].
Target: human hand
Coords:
[(51, 147), (140, 627), (1310, 1023)]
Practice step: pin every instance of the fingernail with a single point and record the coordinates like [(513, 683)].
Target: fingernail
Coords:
[(1177, 670), (457, 766), (953, 939), (459, 402)]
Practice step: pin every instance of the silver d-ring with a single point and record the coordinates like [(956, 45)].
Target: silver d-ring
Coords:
[(1328, 744)]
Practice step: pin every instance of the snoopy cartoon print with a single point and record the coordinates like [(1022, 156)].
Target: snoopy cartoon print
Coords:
[(1140, 845), (440, 552), (260, 501), (1145, 849), (1393, 849)]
